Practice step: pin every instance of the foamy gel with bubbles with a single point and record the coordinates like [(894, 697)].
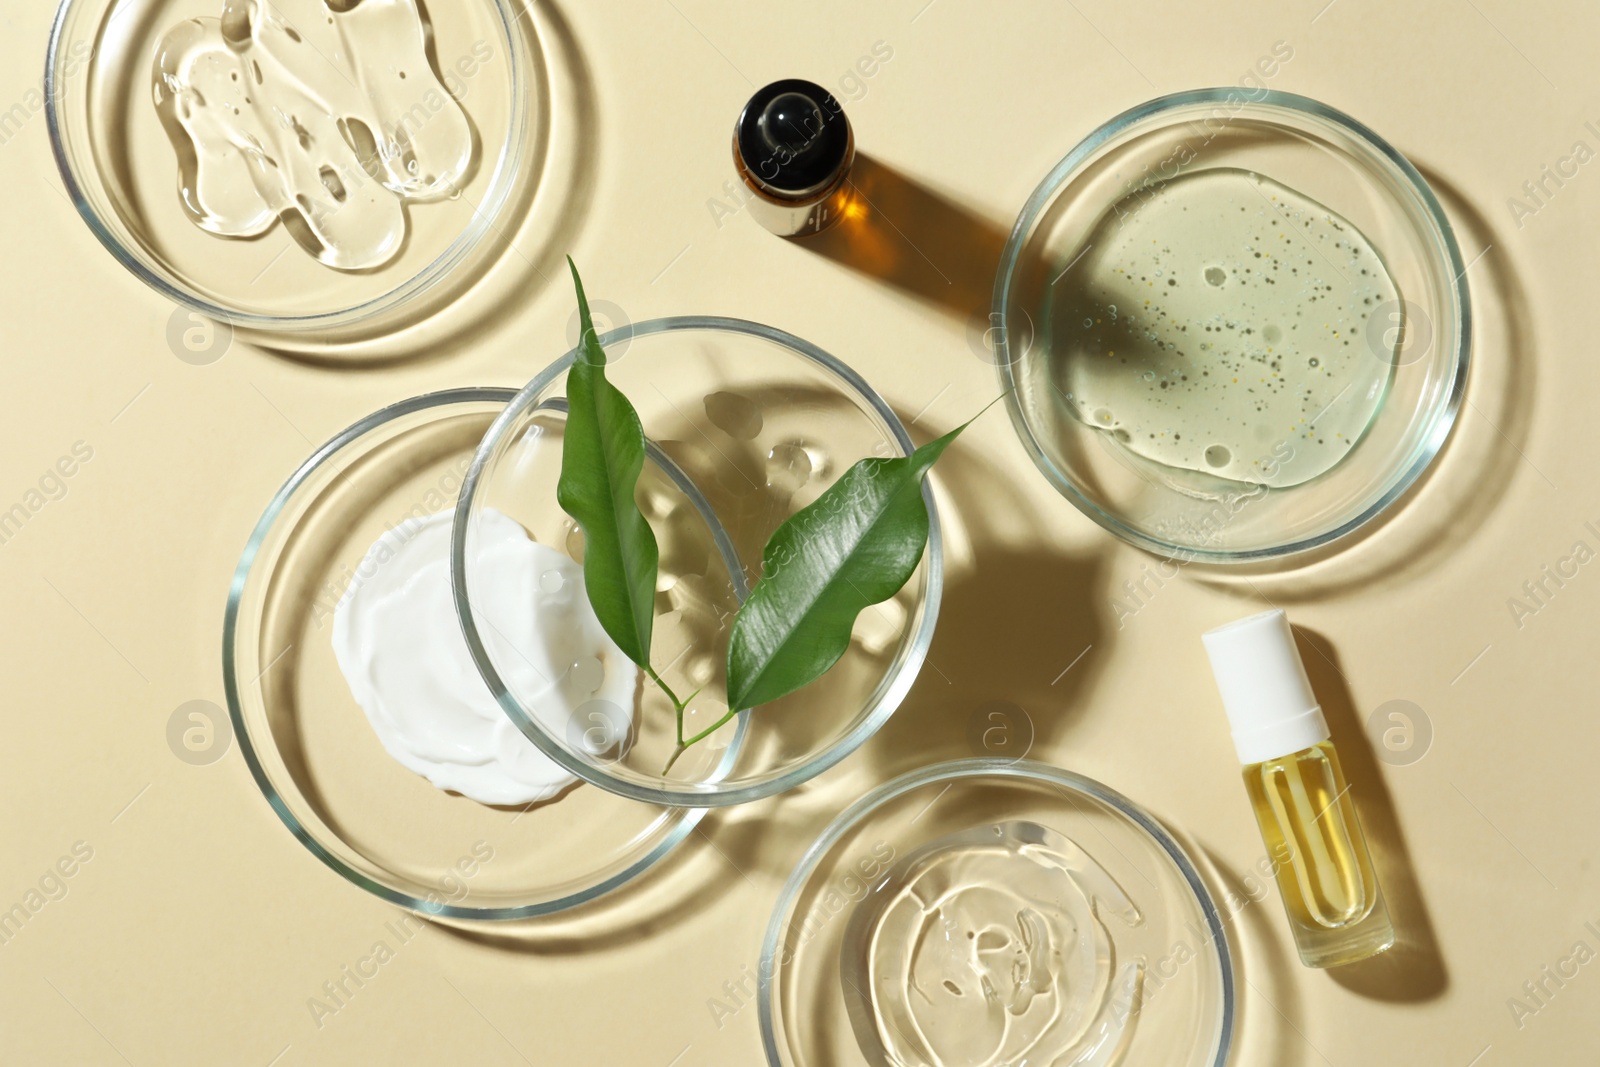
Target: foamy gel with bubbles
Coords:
[(325, 114), (400, 647), (1223, 323)]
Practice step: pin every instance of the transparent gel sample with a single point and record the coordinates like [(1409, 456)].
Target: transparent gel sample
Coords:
[(1218, 322), (993, 947), (325, 115), (1324, 872)]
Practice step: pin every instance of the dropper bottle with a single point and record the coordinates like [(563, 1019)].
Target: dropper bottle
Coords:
[(1301, 799), (793, 149)]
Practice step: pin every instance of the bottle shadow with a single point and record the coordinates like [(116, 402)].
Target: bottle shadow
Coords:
[(906, 235), (1413, 970)]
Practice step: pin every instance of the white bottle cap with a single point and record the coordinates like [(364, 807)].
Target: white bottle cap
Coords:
[(1264, 688)]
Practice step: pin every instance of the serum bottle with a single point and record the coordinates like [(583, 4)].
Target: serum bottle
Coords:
[(1301, 799), (793, 149)]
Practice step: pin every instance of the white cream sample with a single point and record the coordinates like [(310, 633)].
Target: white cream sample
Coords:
[(1220, 322), (991, 948), (399, 644), (327, 119)]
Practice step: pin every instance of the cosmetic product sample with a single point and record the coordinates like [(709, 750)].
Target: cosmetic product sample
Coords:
[(326, 118), (1301, 799), (993, 946), (793, 148), (1223, 323), (400, 647)]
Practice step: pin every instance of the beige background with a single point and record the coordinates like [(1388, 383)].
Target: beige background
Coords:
[(199, 929)]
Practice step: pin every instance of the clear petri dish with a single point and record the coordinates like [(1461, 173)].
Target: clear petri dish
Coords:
[(762, 423), (1167, 995), (309, 745), (121, 167), (1406, 347)]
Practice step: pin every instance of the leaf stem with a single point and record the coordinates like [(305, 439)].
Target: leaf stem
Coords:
[(677, 750), (683, 745), (677, 705), (678, 708), (713, 728)]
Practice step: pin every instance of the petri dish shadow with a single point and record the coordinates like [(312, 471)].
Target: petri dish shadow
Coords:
[(1009, 669), (1254, 926), (690, 880), (1467, 481)]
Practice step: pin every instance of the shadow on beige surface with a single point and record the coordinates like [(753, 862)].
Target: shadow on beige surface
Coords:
[(1413, 970), (1479, 461), (753, 845), (1004, 636), (1003, 675), (692, 879), (904, 234), (547, 209), (1270, 978), (1264, 966)]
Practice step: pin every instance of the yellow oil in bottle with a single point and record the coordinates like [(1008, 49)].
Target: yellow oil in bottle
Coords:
[(1324, 872)]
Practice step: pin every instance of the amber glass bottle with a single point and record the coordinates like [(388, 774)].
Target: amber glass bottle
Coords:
[(793, 149)]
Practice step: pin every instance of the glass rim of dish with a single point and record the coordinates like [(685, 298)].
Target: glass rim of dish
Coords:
[(688, 818), (1443, 239), (704, 794), (957, 770), (502, 184)]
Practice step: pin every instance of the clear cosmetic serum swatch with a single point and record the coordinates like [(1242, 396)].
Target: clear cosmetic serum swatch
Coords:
[(325, 115)]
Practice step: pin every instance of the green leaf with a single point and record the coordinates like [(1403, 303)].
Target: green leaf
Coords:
[(601, 457), (854, 546)]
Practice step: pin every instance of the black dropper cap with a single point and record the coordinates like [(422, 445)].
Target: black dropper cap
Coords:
[(793, 138)]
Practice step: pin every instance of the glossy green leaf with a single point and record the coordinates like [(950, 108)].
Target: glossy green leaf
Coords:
[(856, 545), (601, 458)]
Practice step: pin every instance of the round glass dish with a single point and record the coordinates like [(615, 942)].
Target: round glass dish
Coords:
[(1181, 1010), (310, 746), (762, 422), (1424, 336), (121, 168)]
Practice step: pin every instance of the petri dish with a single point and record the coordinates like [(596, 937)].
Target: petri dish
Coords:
[(309, 745), (762, 422), (477, 68), (1358, 211), (1178, 1004)]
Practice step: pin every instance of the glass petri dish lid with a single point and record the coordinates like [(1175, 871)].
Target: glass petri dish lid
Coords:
[(300, 165), (1315, 257), (762, 423), (310, 746), (952, 888)]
